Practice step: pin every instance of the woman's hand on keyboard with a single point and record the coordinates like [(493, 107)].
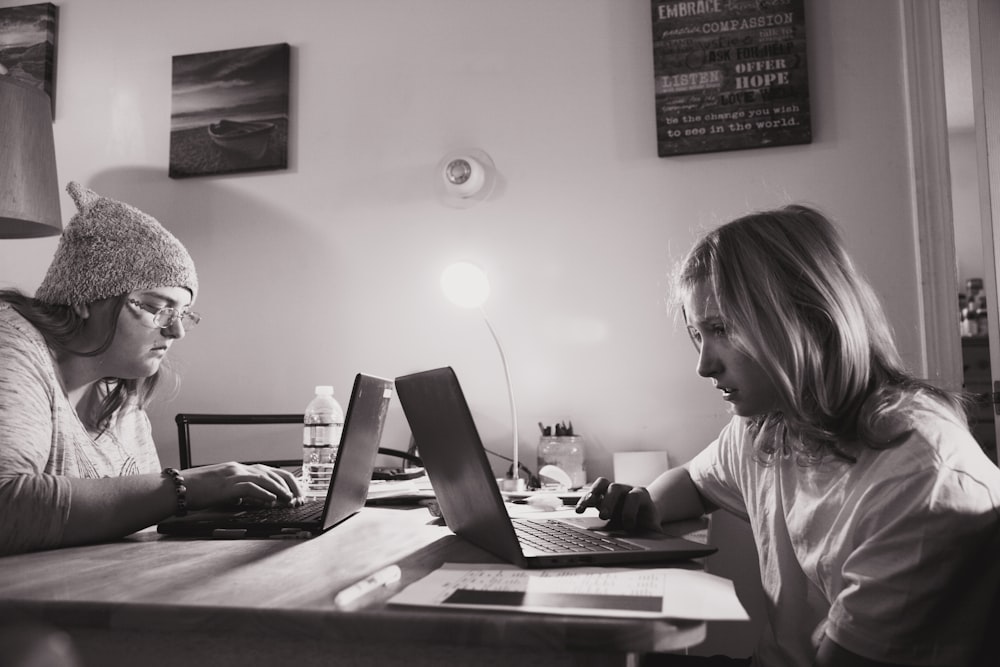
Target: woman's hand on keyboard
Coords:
[(237, 483), (624, 506)]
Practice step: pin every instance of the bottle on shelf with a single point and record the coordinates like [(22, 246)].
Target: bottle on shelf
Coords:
[(973, 287), (322, 426), (972, 303), (982, 324), (970, 320)]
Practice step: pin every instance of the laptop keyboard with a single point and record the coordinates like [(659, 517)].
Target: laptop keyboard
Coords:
[(311, 510), (551, 536)]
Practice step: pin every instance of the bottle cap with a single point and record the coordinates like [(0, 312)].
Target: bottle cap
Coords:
[(324, 389)]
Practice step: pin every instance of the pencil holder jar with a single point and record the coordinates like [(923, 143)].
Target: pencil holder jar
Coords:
[(566, 453)]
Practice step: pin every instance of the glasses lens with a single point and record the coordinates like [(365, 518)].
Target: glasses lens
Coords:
[(165, 317)]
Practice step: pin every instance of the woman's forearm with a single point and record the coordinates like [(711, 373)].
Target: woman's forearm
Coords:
[(676, 497), (112, 507)]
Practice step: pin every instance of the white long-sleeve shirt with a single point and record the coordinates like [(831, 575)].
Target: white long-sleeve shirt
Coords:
[(43, 442)]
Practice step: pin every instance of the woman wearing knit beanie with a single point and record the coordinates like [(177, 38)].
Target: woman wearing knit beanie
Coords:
[(79, 364)]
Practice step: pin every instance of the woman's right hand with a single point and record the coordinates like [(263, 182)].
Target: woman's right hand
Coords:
[(238, 483), (623, 506)]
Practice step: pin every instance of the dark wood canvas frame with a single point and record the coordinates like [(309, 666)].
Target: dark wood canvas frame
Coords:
[(730, 76), (28, 46), (230, 111)]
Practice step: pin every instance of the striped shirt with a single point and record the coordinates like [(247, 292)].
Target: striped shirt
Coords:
[(43, 442)]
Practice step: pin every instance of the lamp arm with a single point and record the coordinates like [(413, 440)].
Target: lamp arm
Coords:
[(510, 395)]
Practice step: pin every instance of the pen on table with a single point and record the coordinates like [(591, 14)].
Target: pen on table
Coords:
[(384, 578)]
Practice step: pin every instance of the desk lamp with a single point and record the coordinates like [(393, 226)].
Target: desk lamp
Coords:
[(29, 185), (467, 286)]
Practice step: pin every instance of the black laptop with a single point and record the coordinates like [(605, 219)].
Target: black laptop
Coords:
[(352, 473), (473, 507)]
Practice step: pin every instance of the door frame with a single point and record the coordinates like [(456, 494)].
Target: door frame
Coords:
[(984, 21), (941, 349)]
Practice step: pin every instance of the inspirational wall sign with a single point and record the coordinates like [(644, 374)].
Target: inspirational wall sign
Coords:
[(730, 74)]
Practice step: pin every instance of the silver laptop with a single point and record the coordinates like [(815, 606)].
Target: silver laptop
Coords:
[(352, 473), (473, 508)]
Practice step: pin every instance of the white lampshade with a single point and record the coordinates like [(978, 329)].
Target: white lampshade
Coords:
[(29, 185), (465, 285)]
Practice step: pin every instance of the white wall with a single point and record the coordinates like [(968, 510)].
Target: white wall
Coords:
[(312, 274), (332, 266)]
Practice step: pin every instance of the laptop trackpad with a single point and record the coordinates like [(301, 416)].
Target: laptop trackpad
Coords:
[(599, 526), (586, 522)]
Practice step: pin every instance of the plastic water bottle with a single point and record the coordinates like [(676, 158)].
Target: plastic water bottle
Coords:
[(322, 426)]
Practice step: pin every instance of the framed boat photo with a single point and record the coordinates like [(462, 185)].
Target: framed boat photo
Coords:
[(229, 111)]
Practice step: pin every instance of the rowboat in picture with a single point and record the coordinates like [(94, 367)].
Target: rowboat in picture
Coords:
[(249, 138)]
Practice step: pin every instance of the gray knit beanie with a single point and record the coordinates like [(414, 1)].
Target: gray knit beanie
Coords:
[(111, 248)]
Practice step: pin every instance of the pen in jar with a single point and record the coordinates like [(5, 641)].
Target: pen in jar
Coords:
[(384, 578)]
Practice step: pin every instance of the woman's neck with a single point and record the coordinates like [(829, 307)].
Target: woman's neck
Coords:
[(78, 375)]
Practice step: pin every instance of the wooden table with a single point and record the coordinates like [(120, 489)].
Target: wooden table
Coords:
[(151, 601)]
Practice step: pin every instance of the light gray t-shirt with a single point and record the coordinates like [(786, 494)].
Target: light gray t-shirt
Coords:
[(893, 557), (43, 442)]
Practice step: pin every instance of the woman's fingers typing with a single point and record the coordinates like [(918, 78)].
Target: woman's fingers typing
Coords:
[(251, 493), (613, 505), (225, 483), (622, 505), (284, 481), (290, 481), (594, 495), (638, 511), (606, 496)]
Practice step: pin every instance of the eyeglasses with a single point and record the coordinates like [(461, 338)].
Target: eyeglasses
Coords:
[(165, 317)]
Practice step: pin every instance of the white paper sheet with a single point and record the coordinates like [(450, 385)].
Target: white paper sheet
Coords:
[(418, 487), (591, 591)]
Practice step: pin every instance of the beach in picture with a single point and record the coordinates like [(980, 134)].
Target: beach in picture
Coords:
[(229, 111)]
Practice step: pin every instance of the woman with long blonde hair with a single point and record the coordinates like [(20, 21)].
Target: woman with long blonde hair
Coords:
[(875, 513)]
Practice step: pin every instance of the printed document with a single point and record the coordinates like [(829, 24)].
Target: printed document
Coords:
[(589, 591)]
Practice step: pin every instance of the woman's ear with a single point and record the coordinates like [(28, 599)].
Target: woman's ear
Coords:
[(82, 310)]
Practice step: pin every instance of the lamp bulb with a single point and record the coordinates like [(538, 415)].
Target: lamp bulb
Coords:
[(465, 285), (464, 176), (458, 171)]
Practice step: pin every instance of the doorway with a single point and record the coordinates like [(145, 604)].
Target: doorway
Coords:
[(977, 297)]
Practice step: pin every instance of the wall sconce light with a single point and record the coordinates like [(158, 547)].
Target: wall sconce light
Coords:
[(467, 286), (465, 177), (29, 184)]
